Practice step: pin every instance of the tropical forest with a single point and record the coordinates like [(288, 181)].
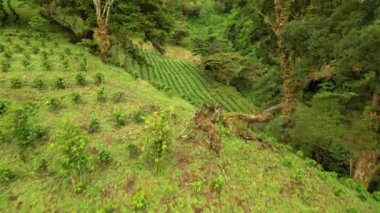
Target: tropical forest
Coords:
[(190, 106)]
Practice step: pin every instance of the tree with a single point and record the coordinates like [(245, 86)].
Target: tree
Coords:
[(100, 33)]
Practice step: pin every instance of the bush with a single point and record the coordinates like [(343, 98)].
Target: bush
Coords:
[(99, 79), (138, 116), (46, 64), (54, 104), (60, 83), (133, 151), (81, 79), (41, 165), (158, 125), (139, 200), (39, 24), (94, 126), (376, 196), (16, 83), (76, 97), (7, 175), (118, 97), (3, 107), (5, 65), (73, 153), (83, 65), (218, 183), (119, 119), (101, 96), (104, 157), (24, 130), (38, 83)]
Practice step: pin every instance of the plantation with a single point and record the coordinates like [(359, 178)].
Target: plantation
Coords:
[(186, 80), (84, 128)]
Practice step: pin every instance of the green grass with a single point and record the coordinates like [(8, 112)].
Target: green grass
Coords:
[(250, 178)]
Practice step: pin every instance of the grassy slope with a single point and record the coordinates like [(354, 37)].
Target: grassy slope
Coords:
[(255, 179)]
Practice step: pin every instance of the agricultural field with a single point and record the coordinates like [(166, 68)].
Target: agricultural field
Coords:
[(189, 82)]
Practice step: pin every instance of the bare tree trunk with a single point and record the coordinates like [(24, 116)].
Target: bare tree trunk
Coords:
[(283, 12)]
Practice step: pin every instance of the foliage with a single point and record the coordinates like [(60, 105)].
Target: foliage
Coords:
[(38, 23), (25, 132), (6, 175), (119, 118), (139, 200), (101, 95), (81, 79), (41, 165), (3, 107), (60, 83), (16, 83), (54, 103), (99, 79), (159, 128), (94, 126), (218, 183), (133, 151), (38, 83), (76, 97), (104, 157), (72, 149)]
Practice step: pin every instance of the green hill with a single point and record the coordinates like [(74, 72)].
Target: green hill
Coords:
[(245, 177)]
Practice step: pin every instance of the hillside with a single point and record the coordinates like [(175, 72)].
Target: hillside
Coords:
[(246, 176), (80, 135)]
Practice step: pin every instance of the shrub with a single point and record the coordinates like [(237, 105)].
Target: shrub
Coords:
[(197, 186), (119, 119), (38, 83), (138, 116), (16, 83), (104, 157), (101, 96), (376, 196), (65, 64), (99, 79), (139, 200), (54, 104), (94, 126), (19, 48), (46, 64), (7, 175), (118, 97), (60, 83), (76, 97), (81, 79), (3, 107), (25, 63), (133, 151), (35, 50), (83, 65), (218, 183), (38, 23), (41, 165), (5, 65), (158, 125), (73, 154), (24, 130)]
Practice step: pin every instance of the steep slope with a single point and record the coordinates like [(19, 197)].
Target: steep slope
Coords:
[(245, 177)]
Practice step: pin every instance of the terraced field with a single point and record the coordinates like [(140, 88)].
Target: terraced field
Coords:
[(186, 80)]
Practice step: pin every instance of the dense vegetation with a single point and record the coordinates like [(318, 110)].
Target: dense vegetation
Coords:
[(201, 105)]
